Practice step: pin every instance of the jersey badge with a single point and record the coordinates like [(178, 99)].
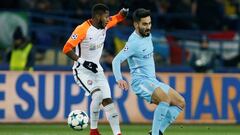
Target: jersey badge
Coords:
[(125, 49), (89, 82), (74, 36)]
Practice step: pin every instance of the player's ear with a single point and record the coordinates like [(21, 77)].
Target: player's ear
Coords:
[(135, 24)]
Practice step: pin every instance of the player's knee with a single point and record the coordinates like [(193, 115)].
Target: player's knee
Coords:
[(97, 96), (160, 96), (164, 99), (182, 102), (106, 101)]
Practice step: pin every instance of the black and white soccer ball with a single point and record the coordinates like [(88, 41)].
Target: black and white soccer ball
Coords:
[(78, 120)]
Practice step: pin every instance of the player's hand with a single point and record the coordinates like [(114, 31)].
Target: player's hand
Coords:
[(90, 66), (124, 11), (122, 84), (80, 61), (125, 4)]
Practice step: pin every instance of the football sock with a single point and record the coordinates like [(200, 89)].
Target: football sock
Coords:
[(159, 114), (113, 118), (95, 108), (171, 116)]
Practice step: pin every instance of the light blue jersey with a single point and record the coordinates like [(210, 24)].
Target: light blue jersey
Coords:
[(139, 53)]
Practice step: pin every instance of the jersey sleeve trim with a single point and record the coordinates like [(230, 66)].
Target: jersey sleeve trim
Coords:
[(67, 47), (77, 36)]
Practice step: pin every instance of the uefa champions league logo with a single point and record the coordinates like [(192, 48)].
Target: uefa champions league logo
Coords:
[(74, 36)]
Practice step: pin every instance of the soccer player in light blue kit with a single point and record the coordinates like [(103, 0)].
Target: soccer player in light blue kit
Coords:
[(139, 53)]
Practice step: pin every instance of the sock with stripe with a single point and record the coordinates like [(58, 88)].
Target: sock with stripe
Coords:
[(113, 118), (95, 108), (159, 115), (171, 116)]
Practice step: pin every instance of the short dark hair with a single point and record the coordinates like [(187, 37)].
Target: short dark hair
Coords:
[(140, 13), (99, 9)]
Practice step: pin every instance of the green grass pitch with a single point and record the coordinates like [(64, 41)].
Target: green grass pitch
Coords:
[(131, 129)]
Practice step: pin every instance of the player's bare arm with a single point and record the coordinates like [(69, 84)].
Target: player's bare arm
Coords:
[(71, 54)]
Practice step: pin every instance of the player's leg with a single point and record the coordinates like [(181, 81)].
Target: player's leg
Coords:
[(95, 108), (154, 92), (112, 115), (161, 99), (177, 104), (87, 81), (108, 106), (176, 99)]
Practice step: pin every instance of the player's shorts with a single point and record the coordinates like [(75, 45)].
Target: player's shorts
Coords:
[(144, 87), (90, 81)]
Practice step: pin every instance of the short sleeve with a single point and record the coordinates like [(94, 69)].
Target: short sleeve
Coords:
[(77, 36)]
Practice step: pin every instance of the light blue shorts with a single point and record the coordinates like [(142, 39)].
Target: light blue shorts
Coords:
[(144, 87)]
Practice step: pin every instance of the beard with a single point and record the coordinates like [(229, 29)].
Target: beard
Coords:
[(144, 32), (101, 25)]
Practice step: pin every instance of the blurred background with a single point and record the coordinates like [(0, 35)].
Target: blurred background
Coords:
[(196, 42), (185, 32)]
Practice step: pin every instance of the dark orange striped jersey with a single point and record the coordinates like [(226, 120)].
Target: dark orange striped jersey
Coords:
[(88, 41)]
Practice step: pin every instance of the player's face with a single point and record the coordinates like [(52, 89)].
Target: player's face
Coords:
[(144, 26), (104, 19)]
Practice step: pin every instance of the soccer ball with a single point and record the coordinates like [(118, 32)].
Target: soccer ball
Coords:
[(78, 120)]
